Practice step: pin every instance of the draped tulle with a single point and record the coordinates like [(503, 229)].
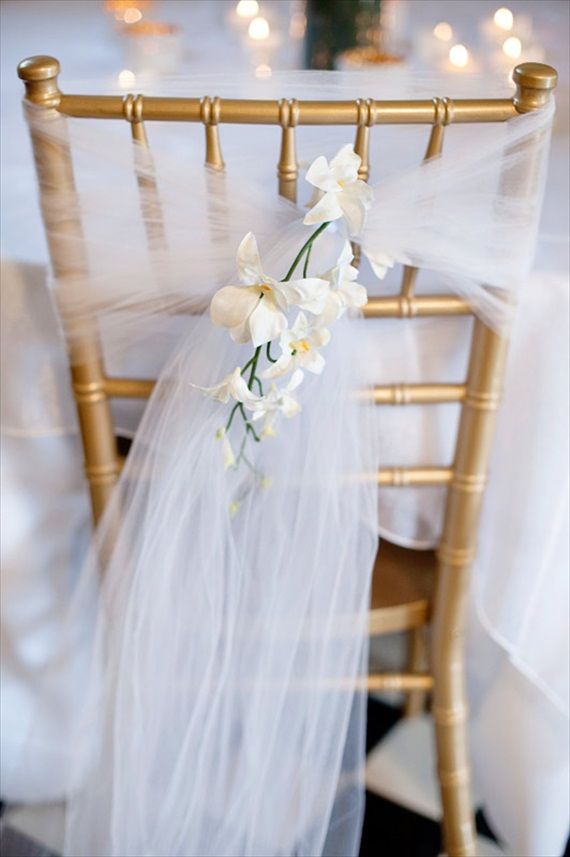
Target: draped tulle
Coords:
[(227, 646), (220, 668)]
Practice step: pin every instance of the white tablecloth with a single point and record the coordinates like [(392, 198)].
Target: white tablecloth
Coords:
[(519, 727)]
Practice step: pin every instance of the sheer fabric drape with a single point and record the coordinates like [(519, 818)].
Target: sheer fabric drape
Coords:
[(219, 670)]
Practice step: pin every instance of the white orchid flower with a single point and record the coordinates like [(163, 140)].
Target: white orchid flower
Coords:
[(227, 450), (300, 349), (254, 311), (232, 387), (345, 195), (379, 261), (279, 400), (345, 293)]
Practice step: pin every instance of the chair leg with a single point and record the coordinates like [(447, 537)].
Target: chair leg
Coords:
[(417, 657), (450, 712)]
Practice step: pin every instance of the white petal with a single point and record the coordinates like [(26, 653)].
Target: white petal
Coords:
[(332, 310), (325, 210), (295, 380), (248, 261), (281, 367), (220, 392), (313, 361), (379, 262), (345, 164), (346, 254), (266, 322), (300, 326), (268, 430), (354, 201), (320, 337), (241, 332), (228, 453), (232, 305), (319, 174), (239, 389), (354, 295), (309, 293), (290, 406), (353, 212), (350, 272)]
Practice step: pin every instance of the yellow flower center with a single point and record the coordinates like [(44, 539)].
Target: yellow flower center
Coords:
[(302, 345), (264, 289)]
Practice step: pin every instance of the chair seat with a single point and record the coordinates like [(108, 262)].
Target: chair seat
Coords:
[(402, 589)]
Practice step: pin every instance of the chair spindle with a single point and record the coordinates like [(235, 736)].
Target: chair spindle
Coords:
[(287, 168), (443, 115)]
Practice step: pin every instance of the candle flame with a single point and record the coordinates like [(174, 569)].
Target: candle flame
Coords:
[(247, 8), (126, 79), (504, 18), (459, 56), (512, 47), (132, 15), (443, 32), (259, 29)]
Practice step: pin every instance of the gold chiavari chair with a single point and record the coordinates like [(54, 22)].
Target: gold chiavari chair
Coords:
[(406, 595)]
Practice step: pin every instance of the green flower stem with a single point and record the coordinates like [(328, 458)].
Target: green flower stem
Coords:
[(307, 258), (253, 362), (308, 243), (232, 412), (268, 353)]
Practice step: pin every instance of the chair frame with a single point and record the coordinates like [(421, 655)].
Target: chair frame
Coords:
[(478, 397)]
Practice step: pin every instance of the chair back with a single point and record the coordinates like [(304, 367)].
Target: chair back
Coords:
[(478, 396)]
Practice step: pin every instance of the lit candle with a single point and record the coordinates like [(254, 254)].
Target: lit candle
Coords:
[(459, 56), (512, 47), (247, 8), (126, 79), (132, 15), (258, 29), (443, 32), (503, 19), (127, 11)]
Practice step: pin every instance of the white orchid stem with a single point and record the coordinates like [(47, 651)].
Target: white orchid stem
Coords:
[(306, 246), (254, 359)]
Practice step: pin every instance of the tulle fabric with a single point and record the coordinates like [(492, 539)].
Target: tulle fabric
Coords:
[(221, 667), (227, 646)]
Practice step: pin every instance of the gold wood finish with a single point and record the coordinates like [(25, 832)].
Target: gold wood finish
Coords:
[(150, 201), (455, 555), (401, 476), (128, 388), (415, 394), (287, 170), (54, 169), (535, 83), (420, 306), (459, 538), (210, 116), (399, 681), (402, 587), (254, 112), (417, 660), (362, 140)]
